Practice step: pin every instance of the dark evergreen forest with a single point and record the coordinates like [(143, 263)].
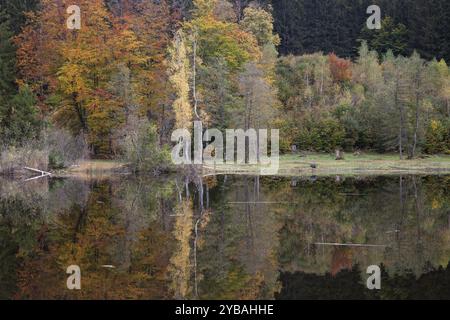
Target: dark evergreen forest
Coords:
[(308, 26)]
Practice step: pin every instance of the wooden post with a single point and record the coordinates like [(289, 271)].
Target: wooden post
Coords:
[(339, 154)]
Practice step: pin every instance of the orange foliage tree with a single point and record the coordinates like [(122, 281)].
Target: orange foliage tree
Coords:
[(340, 68), (88, 80)]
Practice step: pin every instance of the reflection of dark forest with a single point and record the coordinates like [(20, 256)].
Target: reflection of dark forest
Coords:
[(347, 284), (226, 237)]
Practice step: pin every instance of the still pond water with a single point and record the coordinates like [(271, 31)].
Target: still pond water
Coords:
[(226, 237)]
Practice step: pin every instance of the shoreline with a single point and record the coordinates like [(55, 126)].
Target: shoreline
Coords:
[(290, 166), (326, 165), (332, 172)]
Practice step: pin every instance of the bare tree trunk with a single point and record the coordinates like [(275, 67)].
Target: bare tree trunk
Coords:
[(321, 81), (80, 112), (448, 108), (449, 220), (200, 194), (248, 108), (419, 213), (402, 207), (238, 8), (194, 76), (307, 86), (248, 215), (207, 196), (186, 184), (162, 122), (402, 120), (416, 129)]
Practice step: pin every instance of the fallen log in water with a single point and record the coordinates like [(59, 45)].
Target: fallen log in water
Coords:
[(350, 244)]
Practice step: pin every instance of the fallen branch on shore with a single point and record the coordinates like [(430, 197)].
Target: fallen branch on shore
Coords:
[(43, 173)]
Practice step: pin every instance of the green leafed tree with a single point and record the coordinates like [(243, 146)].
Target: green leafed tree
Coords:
[(7, 59), (20, 119), (392, 36)]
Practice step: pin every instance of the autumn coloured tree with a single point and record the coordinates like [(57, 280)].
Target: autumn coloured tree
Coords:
[(163, 64), (340, 68), (179, 71), (80, 75), (153, 24)]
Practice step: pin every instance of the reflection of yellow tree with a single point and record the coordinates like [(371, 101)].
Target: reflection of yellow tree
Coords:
[(151, 255), (42, 275), (96, 241), (180, 263), (39, 275), (238, 255)]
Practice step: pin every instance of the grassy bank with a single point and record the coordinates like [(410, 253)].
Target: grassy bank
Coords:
[(293, 165), (365, 164), (97, 169)]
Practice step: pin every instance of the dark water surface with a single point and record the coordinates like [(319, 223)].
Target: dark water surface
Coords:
[(226, 237)]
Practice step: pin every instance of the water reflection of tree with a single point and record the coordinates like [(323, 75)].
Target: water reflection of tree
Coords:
[(119, 223), (249, 218), (238, 255), (249, 229), (409, 216), (180, 262), (348, 284)]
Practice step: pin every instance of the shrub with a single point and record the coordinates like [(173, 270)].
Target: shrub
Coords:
[(19, 121), (437, 137), (14, 159), (321, 135), (56, 150), (63, 148), (140, 147)]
